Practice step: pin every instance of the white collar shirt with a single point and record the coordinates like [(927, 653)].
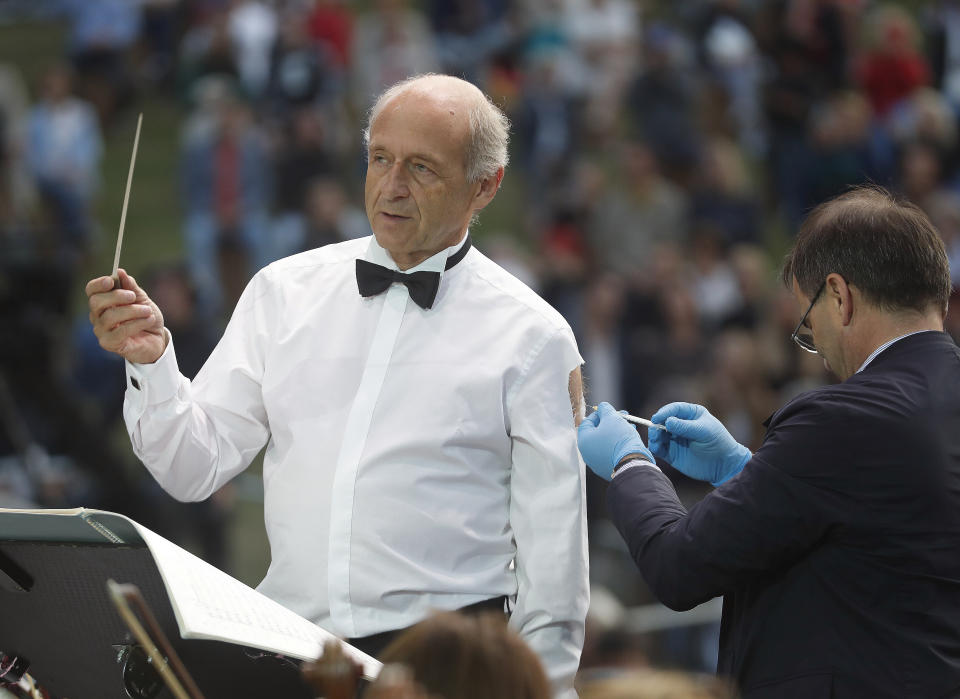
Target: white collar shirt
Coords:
[(415, 459)]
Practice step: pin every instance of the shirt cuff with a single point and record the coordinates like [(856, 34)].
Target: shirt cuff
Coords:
[(150, 384), (633, 463)]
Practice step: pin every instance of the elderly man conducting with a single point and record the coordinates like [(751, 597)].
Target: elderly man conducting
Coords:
[(836, 544), (418, 404)]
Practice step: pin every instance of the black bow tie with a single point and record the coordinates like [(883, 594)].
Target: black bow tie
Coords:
[(373, 279)]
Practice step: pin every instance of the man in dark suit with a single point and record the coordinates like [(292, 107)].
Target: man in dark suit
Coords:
[(836, 545)]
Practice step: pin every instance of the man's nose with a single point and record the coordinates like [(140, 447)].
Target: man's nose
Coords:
[(395, 182)]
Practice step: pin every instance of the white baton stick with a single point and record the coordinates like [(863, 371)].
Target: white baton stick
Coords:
[(126, 200)]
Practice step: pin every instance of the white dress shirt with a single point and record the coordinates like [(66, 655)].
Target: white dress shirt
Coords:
[(416, 459)]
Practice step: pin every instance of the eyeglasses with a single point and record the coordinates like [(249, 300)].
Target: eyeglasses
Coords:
[(805, 341)]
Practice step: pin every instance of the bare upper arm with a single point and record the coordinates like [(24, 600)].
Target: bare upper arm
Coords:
[(575, 387)]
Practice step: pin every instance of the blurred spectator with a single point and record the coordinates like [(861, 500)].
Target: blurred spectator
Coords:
[(95, 374), (722, 198), (545, 121), (63, 155), (601, 342), (302, 156), (952, 323), (925, 116), (753, 273), (299, 73), (253, 27), (201, 526), (469, 33), (17, 190), (102, 33), (392, 41), (942, 25), (714, 285), (641, 209), (172, 289), (921, 171), (546, 34), (825, 28), (604, 34), (943, 208), (206, 51), (608, 647), (226, 185), (891, 67), (330, 23), (661, 103), (665, 338), (564, 262), (738, 387), (844, 149), (731, 56), (330, 217), (161, 25), (503, 249), (53, 449), (789, 97)]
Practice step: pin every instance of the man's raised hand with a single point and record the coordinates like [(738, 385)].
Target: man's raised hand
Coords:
[(125, 320)]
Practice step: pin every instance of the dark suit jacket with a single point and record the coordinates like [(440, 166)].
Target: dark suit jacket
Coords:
[(837, 548)]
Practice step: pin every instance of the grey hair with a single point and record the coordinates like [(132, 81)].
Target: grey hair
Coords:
[(489, 129)]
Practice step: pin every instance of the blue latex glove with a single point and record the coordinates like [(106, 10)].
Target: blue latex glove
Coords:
[(604, 438), (697, 444)]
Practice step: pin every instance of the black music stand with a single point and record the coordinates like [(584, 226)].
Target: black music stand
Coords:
[(56, 613)]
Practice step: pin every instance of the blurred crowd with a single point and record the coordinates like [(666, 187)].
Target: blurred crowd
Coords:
[(663, 154)]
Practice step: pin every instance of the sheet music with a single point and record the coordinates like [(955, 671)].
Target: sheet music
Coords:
[(208, 603)]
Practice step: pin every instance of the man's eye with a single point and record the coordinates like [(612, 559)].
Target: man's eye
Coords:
[(420, 167)]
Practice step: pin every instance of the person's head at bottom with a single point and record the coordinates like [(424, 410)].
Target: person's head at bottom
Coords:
[(458, 656), (650, 683)]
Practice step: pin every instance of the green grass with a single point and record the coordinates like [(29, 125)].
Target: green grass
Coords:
[(31, 46), (153, 226)]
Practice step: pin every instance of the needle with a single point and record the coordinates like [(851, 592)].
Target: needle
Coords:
[(126, 200), (638, 421)]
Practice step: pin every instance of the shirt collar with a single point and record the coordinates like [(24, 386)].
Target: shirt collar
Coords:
[(436, 263), (885, 345)]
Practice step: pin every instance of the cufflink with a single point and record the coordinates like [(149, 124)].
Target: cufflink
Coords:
[(134, 383)]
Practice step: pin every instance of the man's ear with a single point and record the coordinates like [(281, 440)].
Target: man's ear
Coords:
[(488, 189), (841, 297)]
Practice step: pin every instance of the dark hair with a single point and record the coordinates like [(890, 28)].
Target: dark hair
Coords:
[(469, 656), (880, 243)]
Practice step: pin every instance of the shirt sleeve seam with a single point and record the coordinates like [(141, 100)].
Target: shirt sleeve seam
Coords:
[(528, 364)]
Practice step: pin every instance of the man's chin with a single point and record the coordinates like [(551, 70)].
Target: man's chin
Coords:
[(395, 241), (391, 237)]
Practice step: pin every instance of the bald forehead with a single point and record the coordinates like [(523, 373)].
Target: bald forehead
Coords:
[(444, 88), (441, 99), (430, 122)]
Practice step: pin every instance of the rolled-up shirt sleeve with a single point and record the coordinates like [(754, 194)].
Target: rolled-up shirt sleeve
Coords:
[(548, 511), (194, 437)]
